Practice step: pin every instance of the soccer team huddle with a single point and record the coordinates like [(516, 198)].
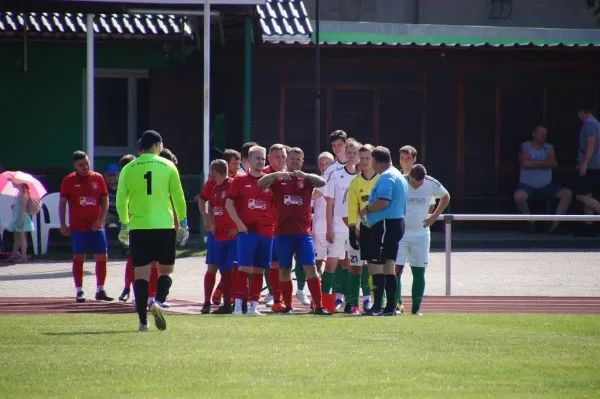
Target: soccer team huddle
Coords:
[(353, 227)]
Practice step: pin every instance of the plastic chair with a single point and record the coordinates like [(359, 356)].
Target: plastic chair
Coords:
[(50, 204)]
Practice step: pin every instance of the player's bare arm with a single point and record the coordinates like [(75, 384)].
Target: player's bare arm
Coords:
[(315, 180), (230, 207), (62, 212), (329, 218), (267, 180), (528, 163), (99, 224), (202, 207), (211, 218), (441, 206), (589, 151)]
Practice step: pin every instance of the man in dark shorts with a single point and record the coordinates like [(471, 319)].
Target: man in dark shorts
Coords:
[(384, 214), (146, 187), (588, 162)]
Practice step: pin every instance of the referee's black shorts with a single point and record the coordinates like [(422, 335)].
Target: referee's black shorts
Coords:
[(147, 246), (364, 241), (385, 236)]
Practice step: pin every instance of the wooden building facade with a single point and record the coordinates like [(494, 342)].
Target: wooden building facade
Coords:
[(465, 110)]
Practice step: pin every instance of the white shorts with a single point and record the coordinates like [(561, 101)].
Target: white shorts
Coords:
[(354, 256), (414, 250), (320, 242), (340, 245)]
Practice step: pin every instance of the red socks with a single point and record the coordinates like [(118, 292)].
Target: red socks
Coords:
[(153, 281), (273, 277), (225, 284), (256, 286), (314, 286), (209, 285), (129, 273), (286, 290), (100, 273), (241, 285), (78, 273)]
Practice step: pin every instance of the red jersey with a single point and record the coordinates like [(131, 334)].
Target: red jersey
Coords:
[(208, 189), (267, 170), (292, 200), (83, 195), (254, 205), (223, 222)]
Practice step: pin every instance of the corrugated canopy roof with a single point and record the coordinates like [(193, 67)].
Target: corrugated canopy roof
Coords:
[(361, 33)]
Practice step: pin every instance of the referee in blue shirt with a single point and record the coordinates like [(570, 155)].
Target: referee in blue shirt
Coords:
[(385, 216)]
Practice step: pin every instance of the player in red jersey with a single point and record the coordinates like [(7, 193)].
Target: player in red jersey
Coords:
[(232, 158), (252, 209), (292, 192), (277, 163), (87, 196), (225, 231)]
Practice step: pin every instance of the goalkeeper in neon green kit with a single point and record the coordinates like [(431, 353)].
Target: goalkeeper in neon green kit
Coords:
[(146, 188)]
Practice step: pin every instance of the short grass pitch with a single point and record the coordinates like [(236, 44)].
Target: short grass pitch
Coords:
[(434, 356)]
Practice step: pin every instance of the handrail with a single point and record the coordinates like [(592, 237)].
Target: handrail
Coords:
[(449, 218)]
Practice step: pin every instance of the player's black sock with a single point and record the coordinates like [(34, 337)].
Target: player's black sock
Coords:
[(163, 285), (391, 285), (378, 287), (140, 290)]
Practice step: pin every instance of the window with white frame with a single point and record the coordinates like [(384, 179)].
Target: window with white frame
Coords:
[(121, 109)]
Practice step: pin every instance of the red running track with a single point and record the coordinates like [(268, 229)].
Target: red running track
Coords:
[(436, 304)]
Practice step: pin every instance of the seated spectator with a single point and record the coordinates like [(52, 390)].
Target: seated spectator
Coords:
[(537, 159), (111, 176)]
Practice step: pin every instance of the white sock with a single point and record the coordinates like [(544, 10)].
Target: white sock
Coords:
[(150, 300), (78, 289), (100, 288), (253, 306), (238, 303)]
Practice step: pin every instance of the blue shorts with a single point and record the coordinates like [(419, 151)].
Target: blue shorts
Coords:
[(84, 241), (254, 250), (301, 245), (210, 250), (225, 253), (274, 257)]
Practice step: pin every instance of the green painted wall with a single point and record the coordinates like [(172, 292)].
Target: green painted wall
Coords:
[(42, 109)]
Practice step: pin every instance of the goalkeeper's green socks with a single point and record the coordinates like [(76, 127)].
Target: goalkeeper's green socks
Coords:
[(340, 283), (418, 287)]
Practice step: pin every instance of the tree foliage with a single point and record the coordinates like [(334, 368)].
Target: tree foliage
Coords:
[(594, 5)]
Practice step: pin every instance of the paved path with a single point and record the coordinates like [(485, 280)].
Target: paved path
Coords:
[(497, 273)]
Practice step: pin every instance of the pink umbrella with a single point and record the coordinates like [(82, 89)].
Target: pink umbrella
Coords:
[(36, 189)]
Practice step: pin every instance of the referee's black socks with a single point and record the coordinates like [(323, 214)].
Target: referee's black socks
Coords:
[(378, 287), (140, 290), (391, 285), (163, 285)]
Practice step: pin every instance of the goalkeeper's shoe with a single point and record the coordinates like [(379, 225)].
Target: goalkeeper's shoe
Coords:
[(144, 327), (159, 318), (125, 295), (367, 304)]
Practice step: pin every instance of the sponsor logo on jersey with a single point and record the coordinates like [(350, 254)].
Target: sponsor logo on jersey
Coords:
[(364, 197), (87, 201), (292, 200), (418, 200), (219, 211), (257, 204)]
